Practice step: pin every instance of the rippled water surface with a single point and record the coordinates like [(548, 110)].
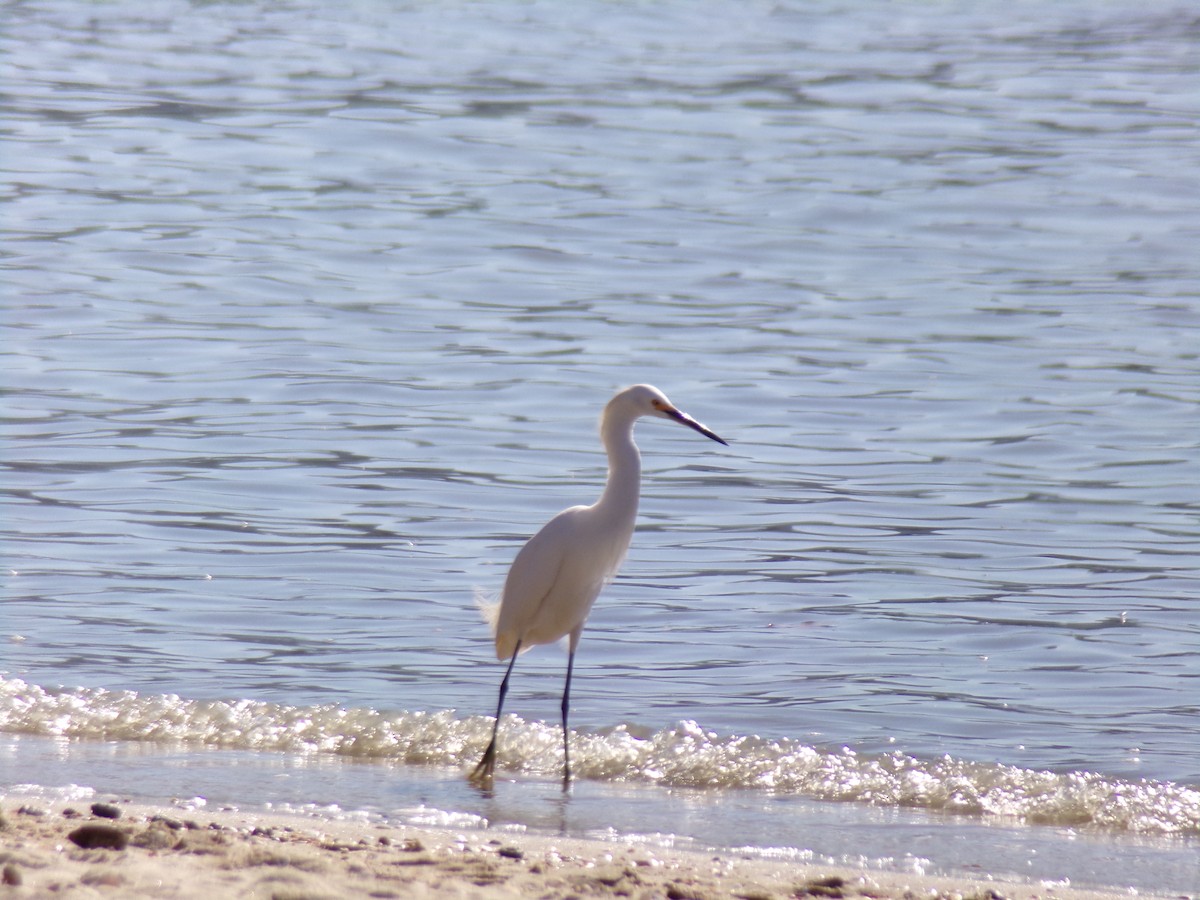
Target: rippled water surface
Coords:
[(310, 313)]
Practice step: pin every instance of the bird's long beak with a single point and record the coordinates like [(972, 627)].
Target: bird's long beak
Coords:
[(684, 419)]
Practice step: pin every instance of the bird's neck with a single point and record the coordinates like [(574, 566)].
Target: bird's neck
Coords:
[(620, 497)]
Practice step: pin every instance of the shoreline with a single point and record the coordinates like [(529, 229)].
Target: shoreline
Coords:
[(170, 852)]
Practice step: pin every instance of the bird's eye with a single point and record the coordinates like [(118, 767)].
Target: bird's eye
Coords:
[(656, 403)]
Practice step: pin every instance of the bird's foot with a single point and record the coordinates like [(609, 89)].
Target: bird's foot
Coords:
[(483, 773)]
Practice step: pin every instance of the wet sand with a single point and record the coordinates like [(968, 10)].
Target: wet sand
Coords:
[(148, 851)]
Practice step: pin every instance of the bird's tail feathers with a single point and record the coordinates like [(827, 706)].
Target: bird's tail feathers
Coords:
[(488, 603), (489, 608)]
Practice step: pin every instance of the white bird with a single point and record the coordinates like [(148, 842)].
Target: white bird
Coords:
[(558, 574)]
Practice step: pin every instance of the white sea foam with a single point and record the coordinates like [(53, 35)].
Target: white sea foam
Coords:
[(685, 755)]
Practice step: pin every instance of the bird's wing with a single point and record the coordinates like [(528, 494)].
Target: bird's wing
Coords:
[(531, 579)]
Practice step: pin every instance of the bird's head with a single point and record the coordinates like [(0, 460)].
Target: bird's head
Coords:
[(647, 400)]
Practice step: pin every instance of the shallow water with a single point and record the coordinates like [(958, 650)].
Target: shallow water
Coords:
[(309, 320), (746, 823)]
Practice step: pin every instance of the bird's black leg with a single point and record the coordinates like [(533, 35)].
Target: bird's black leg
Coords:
[(487, 765), (566, 706)]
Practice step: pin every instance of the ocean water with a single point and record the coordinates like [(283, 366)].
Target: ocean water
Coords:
[(310, 314)]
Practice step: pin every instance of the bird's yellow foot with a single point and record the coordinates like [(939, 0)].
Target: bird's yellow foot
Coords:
[(483, 772)]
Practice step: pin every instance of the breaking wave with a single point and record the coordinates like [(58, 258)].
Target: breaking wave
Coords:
[(685, 755)]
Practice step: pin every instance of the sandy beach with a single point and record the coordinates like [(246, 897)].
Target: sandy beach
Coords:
[(128, 850)]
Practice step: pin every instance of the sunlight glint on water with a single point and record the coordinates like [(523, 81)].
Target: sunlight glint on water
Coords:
[(308, 322)]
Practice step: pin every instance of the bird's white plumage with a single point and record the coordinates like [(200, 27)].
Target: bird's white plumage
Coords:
[(550, 589), (559, 573)]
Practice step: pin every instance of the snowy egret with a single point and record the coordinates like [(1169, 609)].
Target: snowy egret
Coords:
[(558, 574)]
